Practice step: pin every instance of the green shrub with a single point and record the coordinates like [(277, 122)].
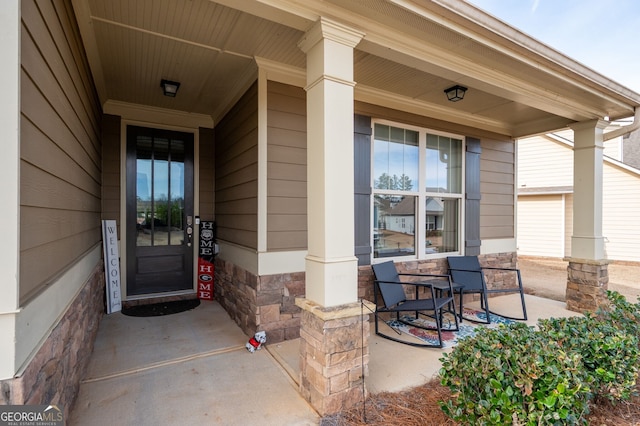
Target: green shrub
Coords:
[(609, 354), (516, 375), (621, 314), (513, 375)]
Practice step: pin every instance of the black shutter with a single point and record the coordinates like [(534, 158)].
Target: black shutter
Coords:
[(362, 188), (472, 197)]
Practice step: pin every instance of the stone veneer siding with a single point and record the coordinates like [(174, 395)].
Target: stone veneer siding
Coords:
[(53, 375), (587, 285), (334, 355), (267, 303), (500, 279), (260, 303), (495, 279)]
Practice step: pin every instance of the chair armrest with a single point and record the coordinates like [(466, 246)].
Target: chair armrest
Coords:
[(475, 271), (496, 268), (425, 275), (500, 269), (442, 281), (422, 284), (416, 284)]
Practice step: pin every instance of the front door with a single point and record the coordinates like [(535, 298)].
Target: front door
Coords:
[(159, 211)]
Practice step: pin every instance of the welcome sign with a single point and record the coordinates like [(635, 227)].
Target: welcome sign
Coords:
[(111, 265)]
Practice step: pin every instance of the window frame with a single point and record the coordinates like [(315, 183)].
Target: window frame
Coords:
[(420, 193)]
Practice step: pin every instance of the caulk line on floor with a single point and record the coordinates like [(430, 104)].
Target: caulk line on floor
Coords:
[(162, 364)]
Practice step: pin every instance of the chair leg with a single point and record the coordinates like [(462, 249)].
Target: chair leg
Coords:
[(524, 307), (440, 343), (455, 316), (484, 305), (438, 319), (451, 306)]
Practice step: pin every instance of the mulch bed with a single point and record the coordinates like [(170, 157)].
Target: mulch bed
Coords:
[(419, 407)]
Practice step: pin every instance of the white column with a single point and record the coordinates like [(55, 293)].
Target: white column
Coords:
[(331, 266), (587, 241), (10, 178)]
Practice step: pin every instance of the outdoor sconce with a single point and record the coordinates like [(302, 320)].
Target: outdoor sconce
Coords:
[(170, 88), (455, 93)]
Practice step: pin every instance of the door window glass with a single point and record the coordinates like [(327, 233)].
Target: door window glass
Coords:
[(160, 191)]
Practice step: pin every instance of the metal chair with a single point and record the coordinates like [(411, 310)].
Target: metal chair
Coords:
[(394, 300), (468, 277)]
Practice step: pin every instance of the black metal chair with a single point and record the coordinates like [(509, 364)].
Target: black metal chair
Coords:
[(468, 277), (394, 300)]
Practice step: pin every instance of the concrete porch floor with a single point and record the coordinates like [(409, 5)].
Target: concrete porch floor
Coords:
[(193, 368)]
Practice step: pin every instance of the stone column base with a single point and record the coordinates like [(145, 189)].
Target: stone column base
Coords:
[(587, 284), (334, 354)]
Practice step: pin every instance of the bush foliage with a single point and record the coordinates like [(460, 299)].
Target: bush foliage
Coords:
[(521, 375)]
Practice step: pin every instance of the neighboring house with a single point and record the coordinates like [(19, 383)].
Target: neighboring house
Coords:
[(279, 116), (435, 209), (545, 198), (396, 227), (401, 217), (631, 149)]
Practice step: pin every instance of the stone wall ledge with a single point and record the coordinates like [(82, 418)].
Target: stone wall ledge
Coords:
[(335, 312), (595, 262)]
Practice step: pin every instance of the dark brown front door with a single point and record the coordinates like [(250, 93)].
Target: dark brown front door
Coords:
[(159, 211)]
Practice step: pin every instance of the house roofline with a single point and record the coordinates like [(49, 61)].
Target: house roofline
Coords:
[(511, 35)]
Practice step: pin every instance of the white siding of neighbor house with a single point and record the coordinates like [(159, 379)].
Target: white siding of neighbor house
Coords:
[(568, 223), (621, 201), (613, 148), (540, 228), (545, 164)]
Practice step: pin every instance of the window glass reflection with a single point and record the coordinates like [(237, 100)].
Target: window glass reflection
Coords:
[(160, 191), (443, 164), (441, 225), (394, 219), (396, 153)]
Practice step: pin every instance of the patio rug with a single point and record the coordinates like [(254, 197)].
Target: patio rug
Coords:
[(449, 338), (475, 315), (158, 309)]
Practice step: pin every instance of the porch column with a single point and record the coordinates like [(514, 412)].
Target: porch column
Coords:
[(10, 188), (333, 332), (331, 265), (587, 271)]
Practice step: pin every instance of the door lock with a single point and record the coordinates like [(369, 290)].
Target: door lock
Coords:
[(189, 230)]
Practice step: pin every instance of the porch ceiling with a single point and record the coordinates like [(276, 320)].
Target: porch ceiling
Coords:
[(411, 52)]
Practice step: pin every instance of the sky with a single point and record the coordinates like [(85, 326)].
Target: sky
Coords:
[(604, 35)]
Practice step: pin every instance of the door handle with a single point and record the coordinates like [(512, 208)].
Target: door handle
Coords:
[(189, 230)]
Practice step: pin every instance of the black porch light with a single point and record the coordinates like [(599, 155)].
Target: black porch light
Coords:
[(169, 88), (455, 93)]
